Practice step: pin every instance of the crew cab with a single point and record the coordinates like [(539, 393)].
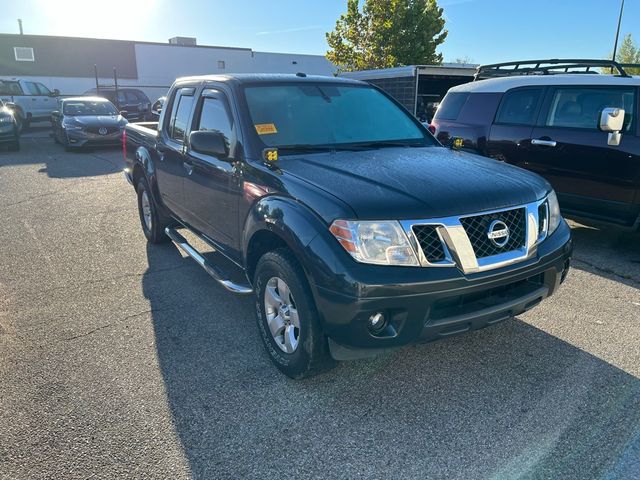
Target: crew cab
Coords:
[(30, 101), (354, 229), (571, 121)]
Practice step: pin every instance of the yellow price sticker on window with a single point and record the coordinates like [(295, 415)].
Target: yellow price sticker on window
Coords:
[(266, 128)]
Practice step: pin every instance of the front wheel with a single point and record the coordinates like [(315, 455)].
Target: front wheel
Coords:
[(152, 221), (287, 317)]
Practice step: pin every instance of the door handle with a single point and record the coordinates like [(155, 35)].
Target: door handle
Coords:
[(188, 167), (545, 143)]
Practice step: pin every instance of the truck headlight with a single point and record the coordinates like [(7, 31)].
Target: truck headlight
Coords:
[(554, 212), (71, 127), (379, 243)]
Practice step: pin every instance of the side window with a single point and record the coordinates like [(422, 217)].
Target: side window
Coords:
[(42, 89), (122, 99), (215, 115), (519, 106), (180, 114), (32, 89), (580, 107), (451, 106), (131, 97)]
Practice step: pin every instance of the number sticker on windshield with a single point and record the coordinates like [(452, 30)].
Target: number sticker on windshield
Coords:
[(266, 128)]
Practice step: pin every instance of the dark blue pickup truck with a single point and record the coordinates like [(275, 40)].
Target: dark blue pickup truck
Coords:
[(355, 230)]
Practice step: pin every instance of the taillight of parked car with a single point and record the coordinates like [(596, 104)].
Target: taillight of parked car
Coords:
[(432, 128), (124, 144)]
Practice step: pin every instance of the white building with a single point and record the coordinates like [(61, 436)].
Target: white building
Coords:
[(69, 63)]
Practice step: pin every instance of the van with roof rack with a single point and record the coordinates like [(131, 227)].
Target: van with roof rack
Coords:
[(574, 122)]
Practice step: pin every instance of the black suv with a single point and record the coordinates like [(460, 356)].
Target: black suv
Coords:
[(133, 103), (555, 117)]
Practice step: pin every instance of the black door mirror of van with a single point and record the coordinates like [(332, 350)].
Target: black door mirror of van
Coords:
[(209, 143), (56, 114), (55, 93), (612, 121)]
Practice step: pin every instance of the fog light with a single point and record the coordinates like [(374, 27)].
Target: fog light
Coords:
[(377, 322)]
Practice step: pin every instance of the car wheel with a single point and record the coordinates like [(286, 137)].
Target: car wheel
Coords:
[(152, 222), (287, 317)]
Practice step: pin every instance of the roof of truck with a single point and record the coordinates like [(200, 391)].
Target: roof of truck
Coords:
[(502, 84), (244, 78)]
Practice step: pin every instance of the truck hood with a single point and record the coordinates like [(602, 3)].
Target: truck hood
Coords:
[(413, 183)]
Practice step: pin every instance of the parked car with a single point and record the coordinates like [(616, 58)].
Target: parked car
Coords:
[(87, 121), (156, 108), (9, 132), (356, 230), (133, 103), (558, 125), (33, 101)]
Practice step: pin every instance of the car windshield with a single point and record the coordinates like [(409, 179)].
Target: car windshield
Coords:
[(323, 115), (80, 108)]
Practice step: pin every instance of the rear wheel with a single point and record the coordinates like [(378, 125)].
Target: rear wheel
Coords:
[(287, 317), (152, 221)]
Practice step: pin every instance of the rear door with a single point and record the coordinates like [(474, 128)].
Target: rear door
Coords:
[(513, 123), (591, 177), (211, 203), (170, 168)]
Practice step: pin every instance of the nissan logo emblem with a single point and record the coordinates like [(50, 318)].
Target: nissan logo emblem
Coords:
[(498, 233)]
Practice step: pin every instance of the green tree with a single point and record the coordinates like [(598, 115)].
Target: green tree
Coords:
[(629, 52), (387, 33)]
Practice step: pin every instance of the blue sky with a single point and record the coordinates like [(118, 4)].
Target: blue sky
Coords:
[(483, 30)]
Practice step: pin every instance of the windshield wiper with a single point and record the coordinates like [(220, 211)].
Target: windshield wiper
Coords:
[(385, 144)]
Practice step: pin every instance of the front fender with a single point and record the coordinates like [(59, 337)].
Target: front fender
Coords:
[(294, 223)]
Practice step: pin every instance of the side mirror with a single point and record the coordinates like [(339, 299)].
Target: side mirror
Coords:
[(209, 143), (123, 113), (55, 93), (56, 113), (612, 121)]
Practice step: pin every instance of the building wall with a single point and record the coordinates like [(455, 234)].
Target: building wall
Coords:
[(67, 63)]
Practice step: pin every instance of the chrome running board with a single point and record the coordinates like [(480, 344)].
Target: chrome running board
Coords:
[(215, 272)]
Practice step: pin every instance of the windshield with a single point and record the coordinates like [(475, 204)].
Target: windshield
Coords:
[(79, 108), (330, 115)]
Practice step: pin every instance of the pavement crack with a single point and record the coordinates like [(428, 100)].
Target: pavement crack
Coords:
[(112, 324), (608, 271)]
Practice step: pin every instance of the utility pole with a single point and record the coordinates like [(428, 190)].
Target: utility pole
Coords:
[(615, 45), (20, 25)]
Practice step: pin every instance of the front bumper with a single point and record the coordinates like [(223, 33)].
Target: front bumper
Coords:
[(8, 132), (80, 138), (431, 303)]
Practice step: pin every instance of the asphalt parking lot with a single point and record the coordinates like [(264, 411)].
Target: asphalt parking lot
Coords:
[(119, 359)]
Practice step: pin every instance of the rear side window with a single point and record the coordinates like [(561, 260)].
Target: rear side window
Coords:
[(180, 114), (519, 106), (451, 106), (580, 107), (10, 88)]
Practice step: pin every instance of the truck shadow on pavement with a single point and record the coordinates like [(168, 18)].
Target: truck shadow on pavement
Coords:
[(510, 401), (59, 163)]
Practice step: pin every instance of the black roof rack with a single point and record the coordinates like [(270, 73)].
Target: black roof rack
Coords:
[(548, 67)]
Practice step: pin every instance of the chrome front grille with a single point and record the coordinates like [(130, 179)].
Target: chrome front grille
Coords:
[(430, 242), (465, 241), (477, 228)]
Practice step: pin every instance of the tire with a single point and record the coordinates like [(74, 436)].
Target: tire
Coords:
[(152, 221), (311, 354)]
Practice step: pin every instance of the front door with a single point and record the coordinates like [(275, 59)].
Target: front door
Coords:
[(568, 149), (170, 167), (209, 197)]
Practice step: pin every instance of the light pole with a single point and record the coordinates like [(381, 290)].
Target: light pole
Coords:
[(615, 45)]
